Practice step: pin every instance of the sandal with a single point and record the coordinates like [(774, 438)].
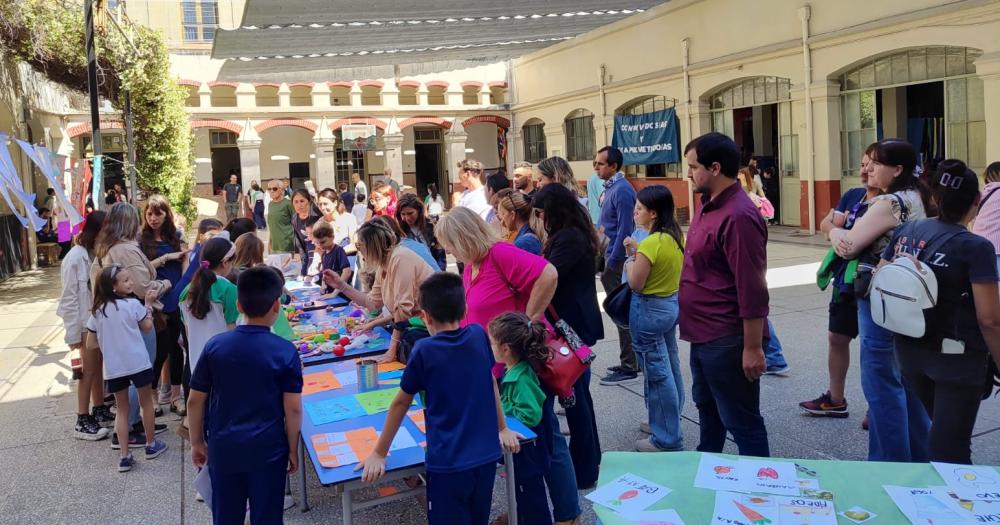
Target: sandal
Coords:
[(178, 407), (183, 431)]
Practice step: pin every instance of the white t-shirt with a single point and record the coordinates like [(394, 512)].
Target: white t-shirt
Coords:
[(435, 206), (475, 200), (360, 191), (345, 225), (117, 328)]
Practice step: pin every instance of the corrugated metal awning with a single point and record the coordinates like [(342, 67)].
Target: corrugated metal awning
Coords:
[(313, 40)]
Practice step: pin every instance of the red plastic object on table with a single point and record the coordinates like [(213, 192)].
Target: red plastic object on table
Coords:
[(338, 350), (344, 341)]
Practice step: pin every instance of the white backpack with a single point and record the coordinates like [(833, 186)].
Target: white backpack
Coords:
[(901, 291)]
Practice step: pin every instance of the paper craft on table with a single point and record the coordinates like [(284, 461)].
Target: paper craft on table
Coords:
[(392, 374), (319, 382), (733, 508), (769, 477), (970, 482), (347, 378), (377, 401), (858, 514), (923, 507), (418, 418), (203, 484), (335, 409), (976, 511), (808, 484), (389, 382), (654, 517), (336, 449), (628, 493), (718, 473)]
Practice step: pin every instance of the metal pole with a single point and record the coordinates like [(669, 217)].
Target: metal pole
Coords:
[(130, 142), (95, 114)]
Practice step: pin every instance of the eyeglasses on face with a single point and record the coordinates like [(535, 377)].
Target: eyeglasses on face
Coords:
[(273, 189)]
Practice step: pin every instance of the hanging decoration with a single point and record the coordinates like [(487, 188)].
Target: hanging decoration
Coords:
[(10, 184), (50, 164)]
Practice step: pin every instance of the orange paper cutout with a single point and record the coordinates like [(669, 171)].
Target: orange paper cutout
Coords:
[(387, 491), (387, 367), (319, 382), (354, 446), (417, 416)]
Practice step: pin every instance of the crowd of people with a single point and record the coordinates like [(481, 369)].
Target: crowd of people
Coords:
[(197, 328)]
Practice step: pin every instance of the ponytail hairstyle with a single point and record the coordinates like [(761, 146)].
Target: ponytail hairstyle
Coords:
[(525, 337), (956, 190), (214, 253), (517, 203), (658, 199)]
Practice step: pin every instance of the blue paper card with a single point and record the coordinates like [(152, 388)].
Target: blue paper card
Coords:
[(392, 374), (335, 409)]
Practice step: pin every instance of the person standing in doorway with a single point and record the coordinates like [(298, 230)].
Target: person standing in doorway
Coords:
[(617, 202), (724, 299), (233, 192), (772, 192)]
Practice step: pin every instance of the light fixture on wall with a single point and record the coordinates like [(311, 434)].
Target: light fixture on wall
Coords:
[(280, 157), (470, 150), (409, 152), (379, 153), (202, 160), (312, 155)]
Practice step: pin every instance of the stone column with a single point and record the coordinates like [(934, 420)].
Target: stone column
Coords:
[(988, 69), (204, 95), (422, 96), (321, 95), (455, 98), (249, 145), (484, 95), (323, 143), (284, 95), (454, 150), (390, 94), (246, 96), (203, 157), (356, 95)]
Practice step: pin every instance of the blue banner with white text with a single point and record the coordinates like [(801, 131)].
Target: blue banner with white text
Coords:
[(649, 138)]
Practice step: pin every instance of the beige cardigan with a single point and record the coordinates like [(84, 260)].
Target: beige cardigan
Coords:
[(130, 257), (398, 285)]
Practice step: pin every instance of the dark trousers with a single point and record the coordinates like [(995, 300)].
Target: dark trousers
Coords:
[(258, 215), (725, 399), (584, 443), (460, 498), (611, 277), (530, 466), (950, 387), (167, 346), (264, 488)]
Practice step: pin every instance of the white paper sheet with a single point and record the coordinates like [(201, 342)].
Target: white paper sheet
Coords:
[(977, 511), (628, 493), (923, 507), (203, 484), (718, 473), (769, 477), (732, 508), (971, 482), (654, 517)]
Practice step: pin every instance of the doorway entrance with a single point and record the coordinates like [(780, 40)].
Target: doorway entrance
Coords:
[(225, 156), (298, 174), (427, 146)]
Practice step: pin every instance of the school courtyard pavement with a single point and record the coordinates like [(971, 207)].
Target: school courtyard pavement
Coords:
[(50, 477)]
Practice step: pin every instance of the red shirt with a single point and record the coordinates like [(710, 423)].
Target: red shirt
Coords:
[(725, 261)]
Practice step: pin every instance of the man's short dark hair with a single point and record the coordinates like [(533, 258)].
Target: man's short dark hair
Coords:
[(614, 156), (50, 191), (715, 147), (237, 227), (442, 297), (497, 182), (258, 288)]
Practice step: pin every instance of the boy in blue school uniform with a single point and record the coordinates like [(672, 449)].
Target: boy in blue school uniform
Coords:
[(251, 380), (465, 422)]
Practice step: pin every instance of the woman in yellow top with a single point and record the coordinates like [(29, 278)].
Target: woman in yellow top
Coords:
[(654, 272)]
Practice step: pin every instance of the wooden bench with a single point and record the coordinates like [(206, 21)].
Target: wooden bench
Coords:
[(49, 252)]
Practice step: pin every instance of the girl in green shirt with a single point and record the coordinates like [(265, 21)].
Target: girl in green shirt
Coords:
[(519, 344)]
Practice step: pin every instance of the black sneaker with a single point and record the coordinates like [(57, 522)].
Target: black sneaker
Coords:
[(103, 416), (88, 430), (159, 428), (619, 377), (615, 368), (158, 411), (135, 440)]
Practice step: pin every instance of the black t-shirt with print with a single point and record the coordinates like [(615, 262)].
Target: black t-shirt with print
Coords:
[(965, 259)]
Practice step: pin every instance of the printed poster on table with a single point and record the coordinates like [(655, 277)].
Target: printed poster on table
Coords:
[(732, 508), (718, 473), (628, 493), (770, 477), (923, 506), (649, 138), (971, 482), (975, 511)]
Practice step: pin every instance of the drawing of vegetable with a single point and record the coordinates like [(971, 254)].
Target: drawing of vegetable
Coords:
[(755, 517), (723, 470), (624, 496)]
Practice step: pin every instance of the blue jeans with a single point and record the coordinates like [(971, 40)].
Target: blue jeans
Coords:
[(772, 352), (653, 322), (898, 426), (133, 395), (561, 478), (725, 399)]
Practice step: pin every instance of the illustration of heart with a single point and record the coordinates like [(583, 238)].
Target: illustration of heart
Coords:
[(723, 470), (969, 478), (767, 472)]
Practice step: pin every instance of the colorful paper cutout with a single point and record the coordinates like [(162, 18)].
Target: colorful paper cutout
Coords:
[(336, 449), (971, 482), (347, 378), (419, 419), (743, 509), (392, 374), (377, 401), (923, 506), (628, 493), (335, 409), (319, 382)]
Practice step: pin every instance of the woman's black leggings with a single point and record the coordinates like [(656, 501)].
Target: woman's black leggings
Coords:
[(167, 346)]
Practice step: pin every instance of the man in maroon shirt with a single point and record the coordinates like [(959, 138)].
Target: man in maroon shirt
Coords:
[(724, 300)]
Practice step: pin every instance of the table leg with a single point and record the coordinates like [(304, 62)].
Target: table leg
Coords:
[(347, 503), (508, 461), (288, 484), (302, 474)]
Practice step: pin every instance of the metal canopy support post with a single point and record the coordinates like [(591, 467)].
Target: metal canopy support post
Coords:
[(95, 114), (130, 142)]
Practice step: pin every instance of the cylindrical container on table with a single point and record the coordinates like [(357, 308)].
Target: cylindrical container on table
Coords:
[(367, 375)]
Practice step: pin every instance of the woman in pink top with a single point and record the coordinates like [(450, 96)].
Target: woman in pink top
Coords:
[(498, 277), (987, 223)]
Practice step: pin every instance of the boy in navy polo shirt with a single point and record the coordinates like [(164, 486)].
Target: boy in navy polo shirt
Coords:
[(252, 382), (464, 417)]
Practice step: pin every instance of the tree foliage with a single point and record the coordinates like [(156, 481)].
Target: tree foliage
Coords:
[(49, 35)]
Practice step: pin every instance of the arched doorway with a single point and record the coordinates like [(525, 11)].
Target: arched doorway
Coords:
[(756, 113), (287, 152), (928, 96), (650, 104)]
